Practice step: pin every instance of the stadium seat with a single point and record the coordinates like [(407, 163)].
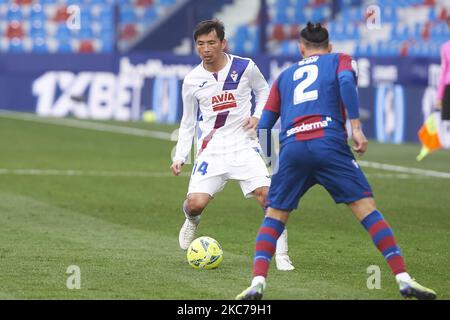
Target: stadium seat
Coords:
[(37, 13), (443, 15), (14, 30), (438, 30), (242, 33), (399, 33), (388, 14), (85, 16), (61, 15), (37, 30), (85, 33), (127, 15), (308, 12), (299, 17), (425, 31), (16, 46), (404, 49), (282, 3), (23, 2), (167, 2), (128, 32), (254, 43), (351, 31), (144, 3), (150, 14), (106, 47), (239, 47), (294, 31), (14, 13), (281, 16), (39, 45), (73, 2), (86, 46), (284, 47), (360, 50), (105, 17), (107, 42), (65, 46), (278, 32), (382, 49), (63, 32), (300, 4), (318, 2)]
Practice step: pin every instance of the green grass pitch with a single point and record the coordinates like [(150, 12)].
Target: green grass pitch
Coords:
[(107, 203)]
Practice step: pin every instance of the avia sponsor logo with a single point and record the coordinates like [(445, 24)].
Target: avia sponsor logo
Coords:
[(223, 101), (307, 126)]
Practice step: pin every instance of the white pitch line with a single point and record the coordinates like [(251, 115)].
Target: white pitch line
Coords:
[(74, 123), (92, 173), (167, 136), (406, 170), (394, 176), (143, 174)]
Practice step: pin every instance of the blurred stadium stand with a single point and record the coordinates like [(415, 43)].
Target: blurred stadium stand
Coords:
[(41, 26), (408, 27), (415, 28)]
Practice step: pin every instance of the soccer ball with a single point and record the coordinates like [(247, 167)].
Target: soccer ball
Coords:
[(204, 253)]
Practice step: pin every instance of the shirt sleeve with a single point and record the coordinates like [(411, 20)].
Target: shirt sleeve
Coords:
[(271, 111), (347, 77), (346, 63), (187, 126), (260, 88), (444, 70)]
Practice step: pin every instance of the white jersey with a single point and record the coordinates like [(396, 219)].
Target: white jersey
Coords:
[(224, 102)]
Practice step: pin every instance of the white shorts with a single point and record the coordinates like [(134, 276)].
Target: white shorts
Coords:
[(211, 172)]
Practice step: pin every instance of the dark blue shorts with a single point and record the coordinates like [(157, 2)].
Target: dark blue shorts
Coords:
[(326, 161)]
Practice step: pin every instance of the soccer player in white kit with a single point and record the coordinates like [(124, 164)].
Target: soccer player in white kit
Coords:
[(217, 96)]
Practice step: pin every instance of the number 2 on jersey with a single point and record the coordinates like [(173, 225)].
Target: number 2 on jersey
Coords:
[(300, 96)]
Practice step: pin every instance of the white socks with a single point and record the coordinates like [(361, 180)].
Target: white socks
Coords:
[(194, 219), (282, 244), (402, 277), (259, 279)]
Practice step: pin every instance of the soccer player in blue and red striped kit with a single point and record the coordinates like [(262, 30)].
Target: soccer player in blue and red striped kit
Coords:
[(310, 98)]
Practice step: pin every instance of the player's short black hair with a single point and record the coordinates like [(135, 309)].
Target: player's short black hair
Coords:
[(314, 35), (207, 26)]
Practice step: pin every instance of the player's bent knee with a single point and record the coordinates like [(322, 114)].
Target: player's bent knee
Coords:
[(363, 207), (281, 215), (196, 204)]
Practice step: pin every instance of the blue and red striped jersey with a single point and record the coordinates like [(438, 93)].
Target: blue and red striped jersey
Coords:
[(309, 98)]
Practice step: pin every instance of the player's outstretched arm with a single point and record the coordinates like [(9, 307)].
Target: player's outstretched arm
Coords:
[(271, 111)]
